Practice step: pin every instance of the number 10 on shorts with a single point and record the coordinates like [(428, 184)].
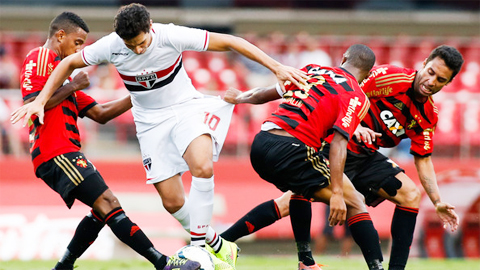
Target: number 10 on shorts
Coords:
[(211, 120)]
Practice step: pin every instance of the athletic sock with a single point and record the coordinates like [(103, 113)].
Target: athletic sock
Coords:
[(183, 216), (403, 226), (301, 218), (130, 234), (259, 217), (200, 209), (85, 234), (214, 240), (366, 237)]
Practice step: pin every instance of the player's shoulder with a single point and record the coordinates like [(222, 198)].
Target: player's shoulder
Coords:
[(42, 54), (393, 71)]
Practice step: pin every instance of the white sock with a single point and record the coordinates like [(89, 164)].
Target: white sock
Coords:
[(214, 240), (201, 209), (183, 216)]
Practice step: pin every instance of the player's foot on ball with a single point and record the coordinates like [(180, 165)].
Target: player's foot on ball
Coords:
[(175, 263), (221, 265), (228, 253), (302, 266)]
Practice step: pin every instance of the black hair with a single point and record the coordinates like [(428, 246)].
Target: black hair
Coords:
[(451, 56), (131, 20), (68, 22), (360, 56)]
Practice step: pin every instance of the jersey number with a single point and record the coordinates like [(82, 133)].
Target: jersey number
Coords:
[(211, 120)]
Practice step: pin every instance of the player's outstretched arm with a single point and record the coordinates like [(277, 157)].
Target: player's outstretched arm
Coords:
[(426, 173), (56, 79), (257, 95), (224, 42), (81, 81), (102, 113)]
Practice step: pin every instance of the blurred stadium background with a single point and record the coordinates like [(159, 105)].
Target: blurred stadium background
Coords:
[(34, 223)]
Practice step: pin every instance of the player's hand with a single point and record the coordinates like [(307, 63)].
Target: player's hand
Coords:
[(81, 81), (231, 95), (446, 213), (26, 111), (289, 74), (338, 210), (365, 134)]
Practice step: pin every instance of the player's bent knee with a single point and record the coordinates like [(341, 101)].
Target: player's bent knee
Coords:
[(356, 201), (202, 171), (410, 197)]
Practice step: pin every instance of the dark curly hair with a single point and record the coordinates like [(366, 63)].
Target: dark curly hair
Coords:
[(131, 20), (69, 22), (452, 57)]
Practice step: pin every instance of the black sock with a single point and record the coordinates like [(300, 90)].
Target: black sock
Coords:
[(366, 237), (130, 234), (301, 219), (85, 234), (403, 226), (259, 217)]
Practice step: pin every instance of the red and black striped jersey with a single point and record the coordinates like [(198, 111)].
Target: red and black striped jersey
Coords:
[(395, 113), (59, 134), (332, 100)]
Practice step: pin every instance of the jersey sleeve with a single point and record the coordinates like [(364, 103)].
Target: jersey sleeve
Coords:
[(84, 103), (36, 69), (98, 52), (186, 38), (352, 111)]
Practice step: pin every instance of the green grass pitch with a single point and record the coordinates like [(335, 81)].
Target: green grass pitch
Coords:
[(249, 262)]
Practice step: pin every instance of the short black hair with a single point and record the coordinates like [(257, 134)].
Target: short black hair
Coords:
[(131, 20), (451, 56), (360, 56), (69, 22)]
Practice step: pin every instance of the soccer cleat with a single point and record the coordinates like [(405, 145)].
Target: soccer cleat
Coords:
[(175, 263), (228, 253), (302, 266), (221, 265)]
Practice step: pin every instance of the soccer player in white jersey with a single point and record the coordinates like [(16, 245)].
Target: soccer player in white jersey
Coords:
[(178, 128)]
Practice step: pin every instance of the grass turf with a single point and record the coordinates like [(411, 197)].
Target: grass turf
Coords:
[(249, 262)]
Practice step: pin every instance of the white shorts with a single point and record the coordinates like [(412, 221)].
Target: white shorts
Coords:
[(164, 134)]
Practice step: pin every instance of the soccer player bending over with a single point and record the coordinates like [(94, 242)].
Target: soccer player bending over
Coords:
[(287, 153)]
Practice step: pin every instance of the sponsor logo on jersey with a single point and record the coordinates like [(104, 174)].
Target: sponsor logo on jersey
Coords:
[(27, 82), (147, 163), (119, 53), (392, 124), (352, 105), (427, 136), (146, 80)]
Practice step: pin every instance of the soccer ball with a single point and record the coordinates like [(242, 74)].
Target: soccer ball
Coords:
[(198, 254)]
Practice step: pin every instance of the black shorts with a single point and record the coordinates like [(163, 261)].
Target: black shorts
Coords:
[(289, 164), (73, 176), (370, 173)]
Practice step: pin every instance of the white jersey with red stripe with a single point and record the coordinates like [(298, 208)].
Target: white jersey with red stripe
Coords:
[(156, 79)]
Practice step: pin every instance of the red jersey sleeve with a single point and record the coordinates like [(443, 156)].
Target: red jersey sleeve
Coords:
[(84, 103), (37, 67), (353, 110)]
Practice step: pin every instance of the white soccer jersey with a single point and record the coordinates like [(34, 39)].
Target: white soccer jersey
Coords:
[(156, 78)]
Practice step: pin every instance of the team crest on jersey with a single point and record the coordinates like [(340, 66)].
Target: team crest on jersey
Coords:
[(146, 80), (80, 161), (393, 125), (147, 163)]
